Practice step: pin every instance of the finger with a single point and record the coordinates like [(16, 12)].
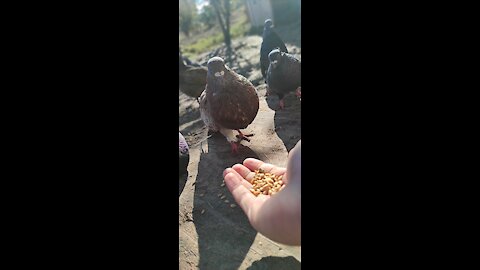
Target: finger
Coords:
[(243, 181), (244, 172), (244, 198), (226, 171), (253, 163)]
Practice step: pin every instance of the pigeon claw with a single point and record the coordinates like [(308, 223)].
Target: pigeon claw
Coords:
[(242, 136)]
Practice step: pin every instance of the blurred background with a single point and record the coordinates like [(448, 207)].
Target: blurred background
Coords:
[(212, 234), (206, 25)]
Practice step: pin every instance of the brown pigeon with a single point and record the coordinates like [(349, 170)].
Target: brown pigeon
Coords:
[(283, 75), (191, 80), (229, 102)]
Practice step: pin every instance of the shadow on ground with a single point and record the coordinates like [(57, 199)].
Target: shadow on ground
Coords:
[(288, 122), (224, 233), (276, 263)]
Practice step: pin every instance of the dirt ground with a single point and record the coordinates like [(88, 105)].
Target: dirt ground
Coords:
[(213, 234)]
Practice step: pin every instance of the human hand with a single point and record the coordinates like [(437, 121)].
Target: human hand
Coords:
[(278, 217)]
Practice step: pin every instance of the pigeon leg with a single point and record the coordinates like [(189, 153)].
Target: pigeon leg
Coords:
[(242, 136), (298, 92), (281, 104), (234, 147)]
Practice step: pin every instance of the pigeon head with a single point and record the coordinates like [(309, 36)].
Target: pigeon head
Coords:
[(275, 57), (216, 67), (267, 27), (268, 24)]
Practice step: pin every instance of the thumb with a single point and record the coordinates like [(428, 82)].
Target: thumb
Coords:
[(294, 164)]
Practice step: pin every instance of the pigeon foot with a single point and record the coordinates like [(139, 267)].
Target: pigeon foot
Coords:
[(242, 136), (298, 92)]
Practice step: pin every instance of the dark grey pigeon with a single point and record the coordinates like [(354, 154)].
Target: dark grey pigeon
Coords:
[(229, 102), (284, 75), (271, 40)]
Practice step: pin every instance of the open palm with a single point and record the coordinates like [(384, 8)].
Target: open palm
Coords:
[(277, 217)]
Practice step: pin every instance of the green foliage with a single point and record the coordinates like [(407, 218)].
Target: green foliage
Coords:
[(185, 23), (208, 17), (186, 15), (239, 29), (202, 45), (208, 33), (237, 3)]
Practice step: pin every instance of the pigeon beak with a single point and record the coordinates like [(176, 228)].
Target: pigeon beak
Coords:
[(219, 74)]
